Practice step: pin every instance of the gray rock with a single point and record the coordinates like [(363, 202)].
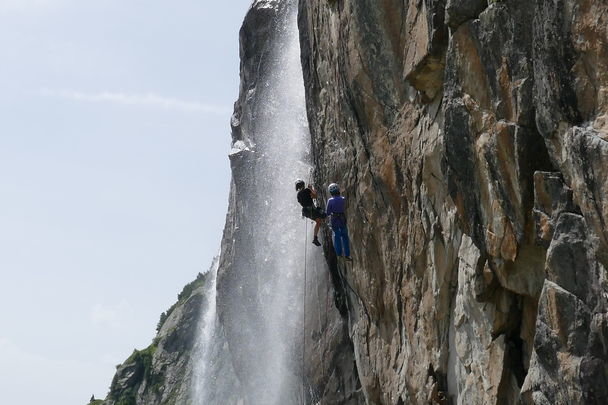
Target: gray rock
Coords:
[(162, 373), (471, 141), (250, 249), (494, 149), (459, 11), (551, 198)]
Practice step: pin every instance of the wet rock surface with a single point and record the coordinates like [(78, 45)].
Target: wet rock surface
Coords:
[(263, 263)]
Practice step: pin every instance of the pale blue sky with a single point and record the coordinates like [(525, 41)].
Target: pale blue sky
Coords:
[(114, 134)]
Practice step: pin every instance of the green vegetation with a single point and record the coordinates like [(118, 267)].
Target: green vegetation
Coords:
[(94, 401), (163, 318), (182, 297), (143, 358), (127, 397), (190, 287), (138, 368), (141, 362)]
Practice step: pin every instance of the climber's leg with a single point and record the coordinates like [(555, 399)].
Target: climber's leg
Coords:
[(315, 240), (318, 223), (346, 241), (338, 241)]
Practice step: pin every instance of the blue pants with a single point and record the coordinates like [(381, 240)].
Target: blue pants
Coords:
[(341, 239)]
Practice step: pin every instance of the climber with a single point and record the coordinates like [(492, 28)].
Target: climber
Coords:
[(309, 210), (336, 207)]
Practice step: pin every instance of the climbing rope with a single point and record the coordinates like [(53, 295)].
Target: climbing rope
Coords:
[(304, 310), (345, 287), (304, 299), (304, 304)]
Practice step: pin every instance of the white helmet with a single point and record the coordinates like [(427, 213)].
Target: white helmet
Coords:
[(333, 189)]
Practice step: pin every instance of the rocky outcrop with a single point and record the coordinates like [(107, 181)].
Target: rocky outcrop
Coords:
[(160, 373), (164, 372), (264, 256), (471, 140)]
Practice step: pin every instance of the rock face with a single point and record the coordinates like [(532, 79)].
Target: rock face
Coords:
[(264, 250), (164, 372), (470, 138)]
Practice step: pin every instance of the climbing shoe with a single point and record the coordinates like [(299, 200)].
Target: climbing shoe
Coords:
[(348, 258), (316, 242)]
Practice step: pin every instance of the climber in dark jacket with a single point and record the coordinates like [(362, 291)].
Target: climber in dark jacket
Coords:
[(309, 210), (336, 207)]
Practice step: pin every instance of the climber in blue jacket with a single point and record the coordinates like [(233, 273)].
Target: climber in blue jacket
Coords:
[(336, 207)]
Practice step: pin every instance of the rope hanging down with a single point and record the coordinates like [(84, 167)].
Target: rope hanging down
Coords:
[(304, 300), (304, 311)]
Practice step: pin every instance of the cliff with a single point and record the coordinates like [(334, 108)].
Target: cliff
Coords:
[(471, 140), (167, 371), (265, 255)]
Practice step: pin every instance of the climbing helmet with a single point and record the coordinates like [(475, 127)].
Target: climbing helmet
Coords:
[(299, 184), (333, 189)]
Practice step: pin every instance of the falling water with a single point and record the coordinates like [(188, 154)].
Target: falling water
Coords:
[(284, 140), (266, 316), (204, 372)]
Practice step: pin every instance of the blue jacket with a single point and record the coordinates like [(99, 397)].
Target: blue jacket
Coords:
[(336, 207)]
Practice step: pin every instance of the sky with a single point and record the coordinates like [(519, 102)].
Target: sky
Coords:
[(114, 178)]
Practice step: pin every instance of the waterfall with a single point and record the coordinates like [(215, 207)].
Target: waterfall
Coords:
[(283, 140), (261, 274), (205, 355)]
